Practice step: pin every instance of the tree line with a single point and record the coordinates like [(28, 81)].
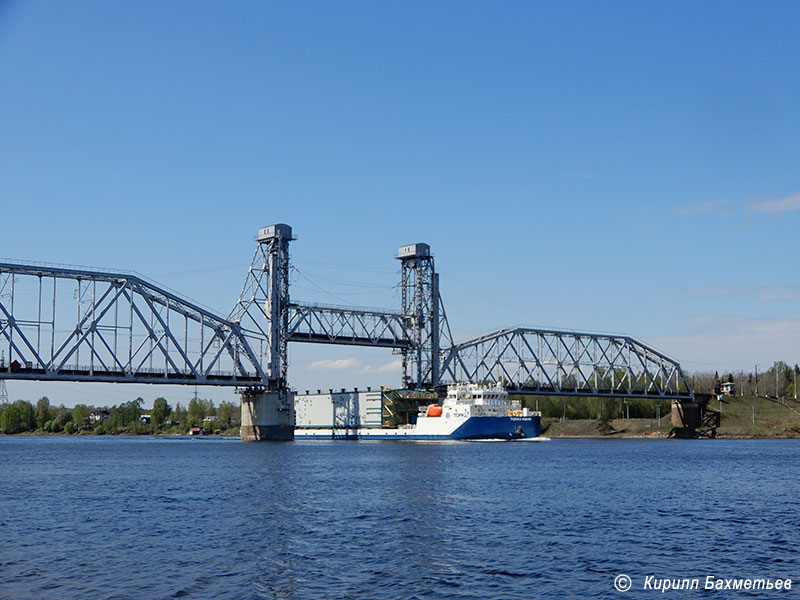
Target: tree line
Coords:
[(126, 418), (777, 381)]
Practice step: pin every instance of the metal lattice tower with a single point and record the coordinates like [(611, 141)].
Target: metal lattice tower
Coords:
[(263, 306), (423, 309)]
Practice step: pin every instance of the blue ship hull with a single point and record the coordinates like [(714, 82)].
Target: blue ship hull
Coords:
[(474, 428), (481, 428)]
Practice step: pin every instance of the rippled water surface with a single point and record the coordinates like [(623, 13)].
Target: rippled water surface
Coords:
[(96, 517)]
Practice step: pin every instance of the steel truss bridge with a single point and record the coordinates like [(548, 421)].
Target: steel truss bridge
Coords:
[(69, 324)]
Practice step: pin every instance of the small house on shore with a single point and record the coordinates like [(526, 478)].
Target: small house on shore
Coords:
[(98, 415)]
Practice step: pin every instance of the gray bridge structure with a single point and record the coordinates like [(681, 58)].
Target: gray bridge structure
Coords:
[(62, 323)]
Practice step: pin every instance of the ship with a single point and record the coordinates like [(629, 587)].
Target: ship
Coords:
[(468, 412)]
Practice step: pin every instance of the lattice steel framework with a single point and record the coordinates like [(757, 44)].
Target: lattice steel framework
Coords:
[(120, 327), (116, 327), (537, 361), (422, 307), (262, 309), (322, 324)]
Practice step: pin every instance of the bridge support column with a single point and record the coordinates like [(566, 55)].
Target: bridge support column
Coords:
[(267, 415), (686, 414)]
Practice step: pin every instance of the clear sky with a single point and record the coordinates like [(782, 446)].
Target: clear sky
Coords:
[(626, 167)]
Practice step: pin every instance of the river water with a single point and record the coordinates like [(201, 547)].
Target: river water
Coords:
[(121, 517)]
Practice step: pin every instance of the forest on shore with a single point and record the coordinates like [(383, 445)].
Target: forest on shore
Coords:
[(128, 418)]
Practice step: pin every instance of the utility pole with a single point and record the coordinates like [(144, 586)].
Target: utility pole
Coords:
[(776, 380), (4, 389), (756, 380)]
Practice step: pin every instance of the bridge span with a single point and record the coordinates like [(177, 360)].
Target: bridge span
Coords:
[(70, 324)]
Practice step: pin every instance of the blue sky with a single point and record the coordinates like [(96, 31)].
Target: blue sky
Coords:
[(627, 167)]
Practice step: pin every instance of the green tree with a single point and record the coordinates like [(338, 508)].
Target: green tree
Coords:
[(161, 410), (608, 409), (64, 416), (198, 410), (80, 413), (18, 417), (116, 416), (134, 410), (126, 414), (227, 413), (42, 412), (179, 414)]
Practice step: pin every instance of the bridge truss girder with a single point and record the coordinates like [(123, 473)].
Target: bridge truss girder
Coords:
[(551, 362), (117, 328), (322, 324)]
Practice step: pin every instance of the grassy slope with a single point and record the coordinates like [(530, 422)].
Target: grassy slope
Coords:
[(772, 419)]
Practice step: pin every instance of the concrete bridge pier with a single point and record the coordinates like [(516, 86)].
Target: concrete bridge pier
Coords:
[(267, 415), (694, 418), (686, 414)]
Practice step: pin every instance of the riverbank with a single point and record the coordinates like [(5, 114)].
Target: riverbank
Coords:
[(742, 417), (230, 432)]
